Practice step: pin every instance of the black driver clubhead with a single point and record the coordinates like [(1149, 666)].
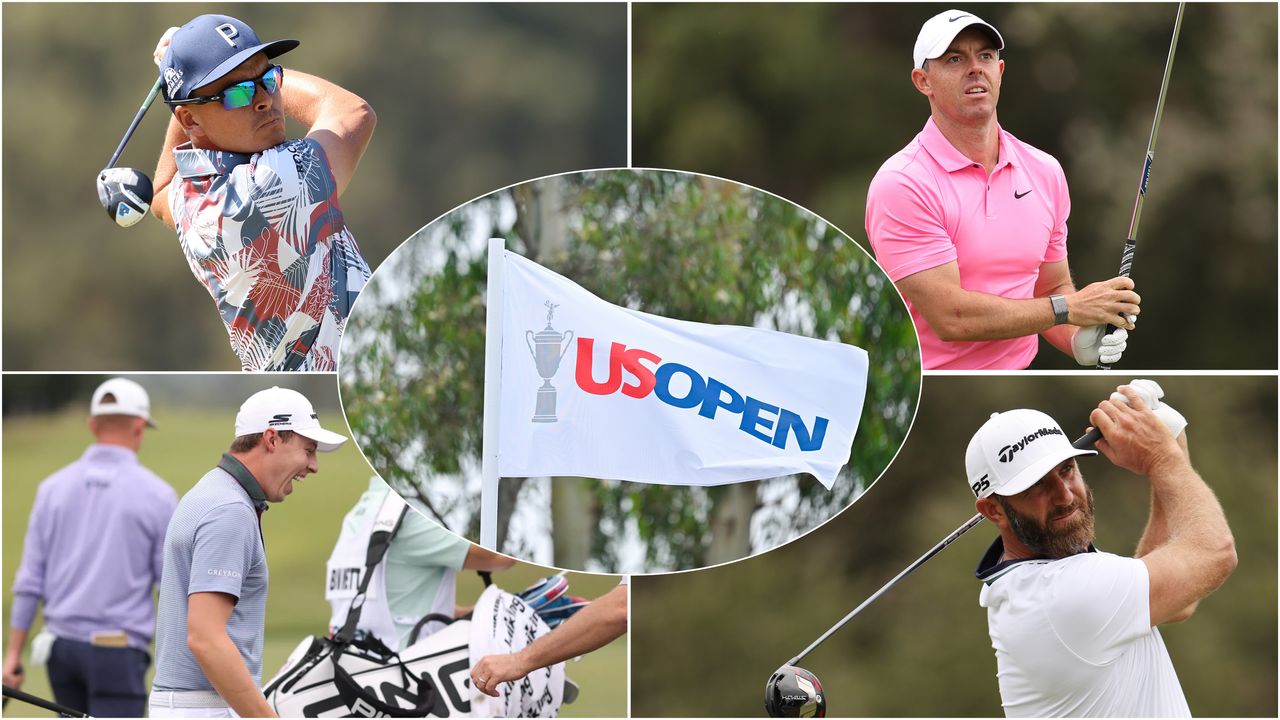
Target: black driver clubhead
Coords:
[(794, 692), (125, 194)]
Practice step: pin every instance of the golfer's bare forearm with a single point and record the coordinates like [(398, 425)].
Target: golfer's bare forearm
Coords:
[(166, 169), (1199, 537), (1156, 533), (591, 628), (964, 316), (341, 121), (226, 671), (17, 641)]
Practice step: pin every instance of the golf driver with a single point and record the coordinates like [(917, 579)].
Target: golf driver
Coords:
[(1131, 242), (126, 193), (793, 691)]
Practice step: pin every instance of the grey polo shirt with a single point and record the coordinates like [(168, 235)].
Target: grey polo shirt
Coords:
[(213, 544)]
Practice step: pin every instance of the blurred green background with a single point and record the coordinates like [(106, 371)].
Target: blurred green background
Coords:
[(195, 415), (807, 100), (706, 642), (470, 97), (672, 244)]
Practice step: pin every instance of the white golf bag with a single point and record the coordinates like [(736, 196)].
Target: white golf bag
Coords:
[(353, 674), (323, 678)]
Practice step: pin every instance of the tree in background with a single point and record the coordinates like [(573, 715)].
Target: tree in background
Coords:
[(671, 244)]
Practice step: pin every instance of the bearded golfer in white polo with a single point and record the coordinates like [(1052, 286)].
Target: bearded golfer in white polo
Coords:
[(1075, 629)]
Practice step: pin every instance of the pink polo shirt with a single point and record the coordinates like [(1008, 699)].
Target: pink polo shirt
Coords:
[(929, 205)]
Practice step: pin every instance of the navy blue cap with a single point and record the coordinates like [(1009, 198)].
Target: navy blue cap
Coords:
[(209, 47)]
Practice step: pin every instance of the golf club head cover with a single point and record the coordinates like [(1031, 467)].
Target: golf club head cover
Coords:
[(544, 591), (1151, 393), (125, 194), (561, 609)]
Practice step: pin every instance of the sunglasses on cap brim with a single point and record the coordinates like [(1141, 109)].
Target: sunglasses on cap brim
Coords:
[(234, 97)]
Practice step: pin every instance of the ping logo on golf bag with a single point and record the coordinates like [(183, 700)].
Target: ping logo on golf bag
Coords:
[(1008, 451), (982, 484), (768, 423)]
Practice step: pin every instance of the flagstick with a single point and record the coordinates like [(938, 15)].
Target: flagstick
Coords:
[(492, 396)]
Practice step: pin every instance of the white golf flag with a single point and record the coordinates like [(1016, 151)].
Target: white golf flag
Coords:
[(590, 389)]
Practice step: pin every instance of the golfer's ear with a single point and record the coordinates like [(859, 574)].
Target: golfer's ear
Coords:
[(188, 121), (991, 510), (921, 80)]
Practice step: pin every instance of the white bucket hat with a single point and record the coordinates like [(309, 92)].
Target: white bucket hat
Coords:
[(1013, 450), (284, 409)]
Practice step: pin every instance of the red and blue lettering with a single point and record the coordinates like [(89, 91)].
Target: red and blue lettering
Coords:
[(637, 373)]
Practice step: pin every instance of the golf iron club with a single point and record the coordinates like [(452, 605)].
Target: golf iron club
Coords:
[(126, 193), (793, 691), (1131, 242), (53, 707)]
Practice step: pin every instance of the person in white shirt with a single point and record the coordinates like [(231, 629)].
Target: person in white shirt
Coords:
[(1075, 629)]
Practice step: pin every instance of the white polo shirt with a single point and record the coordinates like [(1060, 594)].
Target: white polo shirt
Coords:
[(1073, 638)]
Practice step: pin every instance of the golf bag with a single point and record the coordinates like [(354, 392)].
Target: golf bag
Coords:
[(353, 674)]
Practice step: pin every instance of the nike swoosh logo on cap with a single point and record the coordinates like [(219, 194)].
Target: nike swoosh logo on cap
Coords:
[(957, 18)]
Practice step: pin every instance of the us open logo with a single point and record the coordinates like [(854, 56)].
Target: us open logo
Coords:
[(638, 373)]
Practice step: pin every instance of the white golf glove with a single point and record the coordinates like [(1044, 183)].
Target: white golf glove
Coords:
[(1092, 346), (1151, 392)]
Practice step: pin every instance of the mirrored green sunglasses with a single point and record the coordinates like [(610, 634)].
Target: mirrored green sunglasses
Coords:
[(234, 97)]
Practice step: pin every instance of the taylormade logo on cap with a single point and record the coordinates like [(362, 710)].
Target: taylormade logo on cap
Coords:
[(1007, 452), (284, 409), (1013, 450)]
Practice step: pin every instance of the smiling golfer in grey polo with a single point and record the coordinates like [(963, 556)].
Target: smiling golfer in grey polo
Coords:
[(213, 593)]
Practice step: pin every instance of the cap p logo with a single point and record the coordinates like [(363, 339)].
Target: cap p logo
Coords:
[(228, 33)]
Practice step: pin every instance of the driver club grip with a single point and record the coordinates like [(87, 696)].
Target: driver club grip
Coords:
[(1086, 441), (1126, 266)]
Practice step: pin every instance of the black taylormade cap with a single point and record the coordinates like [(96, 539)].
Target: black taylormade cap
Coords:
[(209, 47)]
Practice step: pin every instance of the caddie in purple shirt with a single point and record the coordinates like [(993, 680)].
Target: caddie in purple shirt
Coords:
[(92, 554)]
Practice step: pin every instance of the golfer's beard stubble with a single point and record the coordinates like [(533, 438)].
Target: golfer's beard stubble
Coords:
[(1073, 538)]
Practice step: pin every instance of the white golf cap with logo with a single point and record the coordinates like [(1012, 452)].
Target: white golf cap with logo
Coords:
[(121, 396), (1013, 450), (938, 31), (284, 409)]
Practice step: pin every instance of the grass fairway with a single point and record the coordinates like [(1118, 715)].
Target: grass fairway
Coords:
[(299, 535)]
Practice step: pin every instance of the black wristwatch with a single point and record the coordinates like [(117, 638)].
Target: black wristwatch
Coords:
[(1060, 311)]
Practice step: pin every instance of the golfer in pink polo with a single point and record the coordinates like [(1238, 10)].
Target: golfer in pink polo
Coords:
[(971, 223)]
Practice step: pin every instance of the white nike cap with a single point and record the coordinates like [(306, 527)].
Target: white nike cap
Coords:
[(284, 409), (121, 396), (938, 32), (1013, 450)]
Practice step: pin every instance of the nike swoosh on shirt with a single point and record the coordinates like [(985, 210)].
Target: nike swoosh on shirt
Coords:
[(1019, 196)]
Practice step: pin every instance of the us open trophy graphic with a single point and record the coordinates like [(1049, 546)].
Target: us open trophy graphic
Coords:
[(545, 346)]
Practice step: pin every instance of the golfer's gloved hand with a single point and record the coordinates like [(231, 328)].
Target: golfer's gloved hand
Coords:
[(163, 45), (1092, 346), (1151, 392)]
